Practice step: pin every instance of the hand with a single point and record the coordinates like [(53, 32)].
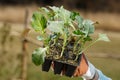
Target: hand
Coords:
[(80, 70)]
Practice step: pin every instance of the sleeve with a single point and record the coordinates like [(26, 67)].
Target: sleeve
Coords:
[(94, 74)]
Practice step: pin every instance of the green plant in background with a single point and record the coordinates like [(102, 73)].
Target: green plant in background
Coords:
[(55, 24)]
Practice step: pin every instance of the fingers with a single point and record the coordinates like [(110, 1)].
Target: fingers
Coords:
[(76, 74), (82, 68), (52, 66)]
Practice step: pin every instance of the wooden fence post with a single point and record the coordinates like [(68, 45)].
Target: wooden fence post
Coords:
[(24, 48)]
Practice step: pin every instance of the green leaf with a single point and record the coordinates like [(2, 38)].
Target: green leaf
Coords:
[(54, 8), (45, 9), (73, 15), (38, 56), (88, 21), (38, 22), (61, 14), (88, 27), (78, 32), (65, 15), (56, 26), (103, 37), (40, 38), (88, 38), (79, 19)]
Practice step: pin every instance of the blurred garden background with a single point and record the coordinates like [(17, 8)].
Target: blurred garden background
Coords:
[(16, 46)]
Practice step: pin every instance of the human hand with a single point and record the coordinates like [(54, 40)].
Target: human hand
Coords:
[(80, 70), (86, 70)]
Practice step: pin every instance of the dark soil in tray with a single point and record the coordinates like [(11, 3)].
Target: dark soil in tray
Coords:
[(68, 55), (67, 62)]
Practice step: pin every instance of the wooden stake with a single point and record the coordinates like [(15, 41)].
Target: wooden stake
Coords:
[(24, 48)]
